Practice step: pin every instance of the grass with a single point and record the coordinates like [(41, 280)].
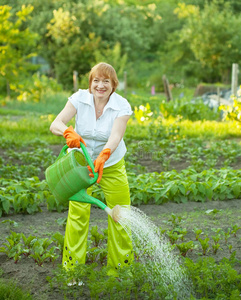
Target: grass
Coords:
[(50, 104), (9, 290)]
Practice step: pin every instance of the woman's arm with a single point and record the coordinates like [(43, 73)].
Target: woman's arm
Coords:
[(58, 126), (117, 133)]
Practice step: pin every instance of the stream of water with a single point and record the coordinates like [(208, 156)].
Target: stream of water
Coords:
[(154, 251)]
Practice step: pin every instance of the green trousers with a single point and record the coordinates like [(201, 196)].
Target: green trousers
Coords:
[(115, 186)]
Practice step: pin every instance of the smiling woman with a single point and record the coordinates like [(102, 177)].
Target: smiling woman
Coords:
[(101, 117)]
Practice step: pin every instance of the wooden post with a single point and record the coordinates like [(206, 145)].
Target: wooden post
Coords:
[(75, 80), (125, 84), (167, 88), (234, 79)]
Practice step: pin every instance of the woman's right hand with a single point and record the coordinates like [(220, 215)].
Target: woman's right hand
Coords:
[(73, 139)]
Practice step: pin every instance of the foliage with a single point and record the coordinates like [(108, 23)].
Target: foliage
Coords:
[(37, 248), (74, 36), (10, 290), (213, 41), (112, 56), (17, 43), (22, 196), (36, 88), (232, 112), (214, 280), (143, 113)]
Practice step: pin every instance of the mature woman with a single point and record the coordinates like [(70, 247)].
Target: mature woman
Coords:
[(101, 116)]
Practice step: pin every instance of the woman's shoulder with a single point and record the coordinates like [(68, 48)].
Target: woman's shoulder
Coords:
[(119, 100), (80, 96), (80, 93)]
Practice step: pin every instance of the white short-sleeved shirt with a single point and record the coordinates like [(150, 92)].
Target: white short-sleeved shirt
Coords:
[(96, 132)]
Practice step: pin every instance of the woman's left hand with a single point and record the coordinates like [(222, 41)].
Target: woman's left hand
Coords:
[(99, 163)]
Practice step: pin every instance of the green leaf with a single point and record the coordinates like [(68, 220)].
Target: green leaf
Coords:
[(236, 190), (182, 189), (6, 205)]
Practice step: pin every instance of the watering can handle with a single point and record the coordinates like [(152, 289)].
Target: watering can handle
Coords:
[(87, 156), (89, 161)]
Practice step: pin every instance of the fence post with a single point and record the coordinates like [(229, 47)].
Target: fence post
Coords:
[(167, 88), (234, 79)]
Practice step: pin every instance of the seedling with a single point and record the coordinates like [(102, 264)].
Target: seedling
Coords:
[(183, 232), (62, 222), (58, 238), (235, 229), (216, 238), (41, 252), (227, 235), (14, 248), (212, 212), (215, 247), (173, 236), (205, 245), (185, 247), (175, 220), (96, 237), (198, 232), (11, 223), (28, 243), (162, 231)]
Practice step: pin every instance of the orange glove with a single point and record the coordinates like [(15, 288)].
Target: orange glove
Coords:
[(73, 139), (99, 163)]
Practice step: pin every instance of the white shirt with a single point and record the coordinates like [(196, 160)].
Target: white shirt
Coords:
[(96, 132)]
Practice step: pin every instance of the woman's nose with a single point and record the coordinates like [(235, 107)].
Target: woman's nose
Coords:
[(100, 84)]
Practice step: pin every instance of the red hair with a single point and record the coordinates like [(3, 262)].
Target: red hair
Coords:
[(105, 70)]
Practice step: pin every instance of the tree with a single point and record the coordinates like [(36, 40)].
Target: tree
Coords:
[(15, 46), (212, 36)]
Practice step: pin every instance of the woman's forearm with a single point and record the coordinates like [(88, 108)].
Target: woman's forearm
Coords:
[(58, 127), (113, 143)]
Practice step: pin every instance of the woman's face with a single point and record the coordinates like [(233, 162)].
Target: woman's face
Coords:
[(101, 87)]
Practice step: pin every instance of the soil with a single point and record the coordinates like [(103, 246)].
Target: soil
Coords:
[(43, 224)]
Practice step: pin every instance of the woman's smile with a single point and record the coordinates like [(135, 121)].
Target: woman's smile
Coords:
[(101, 87)]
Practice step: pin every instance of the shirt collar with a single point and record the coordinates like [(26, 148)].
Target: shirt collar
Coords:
[(112, 103)]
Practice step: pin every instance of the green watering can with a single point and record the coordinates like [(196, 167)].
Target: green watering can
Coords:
[(68, 178)]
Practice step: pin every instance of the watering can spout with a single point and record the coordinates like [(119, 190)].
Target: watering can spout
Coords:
[(82, 196), (114, 212)]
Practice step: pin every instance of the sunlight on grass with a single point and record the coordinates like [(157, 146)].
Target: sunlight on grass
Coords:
[(207, 129), (185, 128)]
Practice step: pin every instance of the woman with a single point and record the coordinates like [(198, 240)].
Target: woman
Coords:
[(101, 117)]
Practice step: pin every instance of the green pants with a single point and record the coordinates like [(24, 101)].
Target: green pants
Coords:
[(115, 186)]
